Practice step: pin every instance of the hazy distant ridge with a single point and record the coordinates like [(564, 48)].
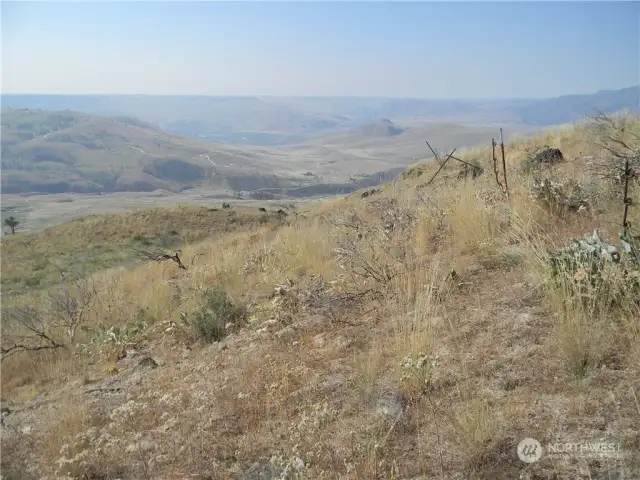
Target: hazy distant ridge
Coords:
[(272, 120)]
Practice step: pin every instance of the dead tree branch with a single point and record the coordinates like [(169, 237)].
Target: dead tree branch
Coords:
[(618, 136), (615, 135), (159, 256), (28, 330), (69, 304)]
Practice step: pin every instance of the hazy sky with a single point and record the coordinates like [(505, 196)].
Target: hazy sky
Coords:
[(419, 49)]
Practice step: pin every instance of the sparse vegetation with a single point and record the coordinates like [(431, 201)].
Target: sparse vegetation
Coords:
[(420, 332), (37, 326), (12, 223), (110, 240), (216, 317)]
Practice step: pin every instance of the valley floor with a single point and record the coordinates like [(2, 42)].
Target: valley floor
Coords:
[(37, 212)]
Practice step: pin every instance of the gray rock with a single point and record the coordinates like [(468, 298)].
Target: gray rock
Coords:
[(342, 342), (320, 340), (391, 404), (334, 381), (142, 446), (147, 362), (524, 318), (286, 332), (608, 475), (274, 468), (262, 469)]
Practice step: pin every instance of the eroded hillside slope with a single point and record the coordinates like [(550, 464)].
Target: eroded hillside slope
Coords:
[(418, 330), (63, 151)]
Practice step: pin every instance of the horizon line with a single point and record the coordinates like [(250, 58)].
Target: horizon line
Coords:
[(257, 96)]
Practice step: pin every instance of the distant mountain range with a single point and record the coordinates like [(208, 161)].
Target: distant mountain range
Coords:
[(279, 121), (95, 144)]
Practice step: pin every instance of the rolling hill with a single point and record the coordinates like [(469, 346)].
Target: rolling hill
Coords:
[(384, 145), (55, 152), (74, 152), (278, 120)]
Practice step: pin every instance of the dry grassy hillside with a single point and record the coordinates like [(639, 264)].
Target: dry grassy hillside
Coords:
[(98, 241), (418, 331), (56, 152)]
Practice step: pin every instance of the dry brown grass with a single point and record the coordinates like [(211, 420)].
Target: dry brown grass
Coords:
[(102, 241), (320, 376)]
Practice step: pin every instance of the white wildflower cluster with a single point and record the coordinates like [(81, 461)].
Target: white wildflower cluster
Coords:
[(73, 457), (306, 430), (94, 444), (258, 262), (568, 194), (321, 414), (126, 413), (490, 196), (287, 468), (419, 369)]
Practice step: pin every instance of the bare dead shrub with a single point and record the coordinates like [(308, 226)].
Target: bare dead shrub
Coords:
[(618, 137), (52, 324), (372, 248)]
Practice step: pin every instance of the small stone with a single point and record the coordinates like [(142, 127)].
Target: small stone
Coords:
[(269, 323), (285, 332), (334, 381), (474, 269), (342, 342), (142, 446), (390, 404), (147, 362), (524, 318), (169, 424)]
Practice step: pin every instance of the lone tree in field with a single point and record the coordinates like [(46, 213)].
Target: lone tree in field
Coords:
[(12, 223)]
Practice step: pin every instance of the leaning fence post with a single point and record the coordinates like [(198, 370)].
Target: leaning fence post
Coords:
[(627, 200), (495, 162), (504, 165)]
